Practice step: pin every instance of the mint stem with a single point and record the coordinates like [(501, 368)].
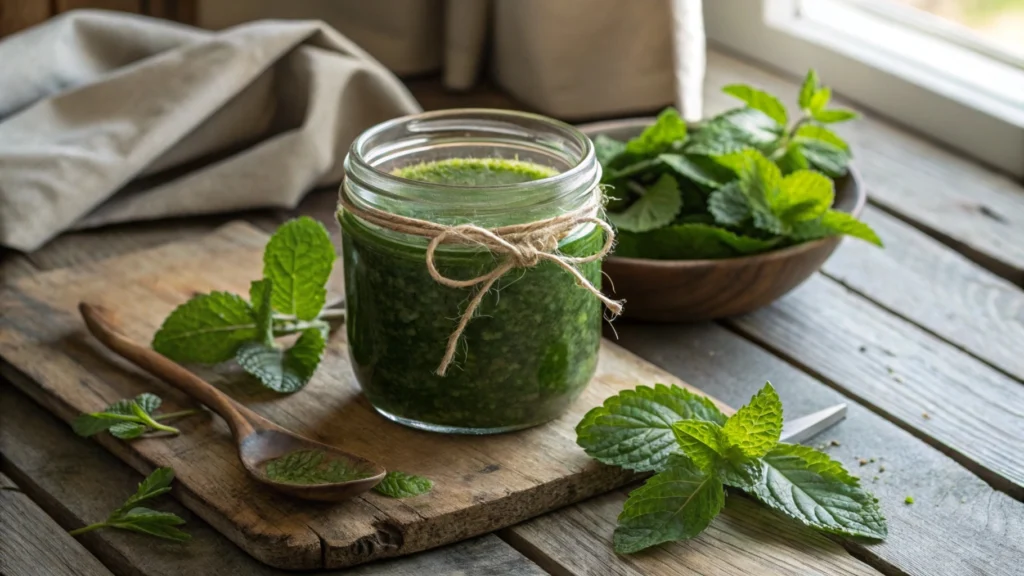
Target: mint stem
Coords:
[(173, 415), (149, 421), (88, 528)]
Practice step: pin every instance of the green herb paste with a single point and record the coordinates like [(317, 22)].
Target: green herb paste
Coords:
[(311, 467), (524, 357)]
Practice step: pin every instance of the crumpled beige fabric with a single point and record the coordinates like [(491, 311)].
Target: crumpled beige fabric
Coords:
[(108, 117)]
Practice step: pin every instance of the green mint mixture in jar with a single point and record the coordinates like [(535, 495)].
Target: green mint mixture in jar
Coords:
[(531, 347)]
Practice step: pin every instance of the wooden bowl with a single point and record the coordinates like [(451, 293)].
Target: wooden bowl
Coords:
[(694, 290)]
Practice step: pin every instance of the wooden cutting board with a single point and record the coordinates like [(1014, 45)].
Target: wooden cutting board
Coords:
[(481, 483)]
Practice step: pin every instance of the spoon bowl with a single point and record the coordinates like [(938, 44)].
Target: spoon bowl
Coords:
[(259, 440)]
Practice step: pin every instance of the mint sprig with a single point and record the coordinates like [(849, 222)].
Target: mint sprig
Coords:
[(131, 516), (697, 452), (403, 485), (128, 418), (289, 299)]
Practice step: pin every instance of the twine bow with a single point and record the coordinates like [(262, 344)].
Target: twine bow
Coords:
[(521, 245)]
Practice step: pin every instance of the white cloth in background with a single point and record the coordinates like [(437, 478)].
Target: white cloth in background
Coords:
[(108, 117)]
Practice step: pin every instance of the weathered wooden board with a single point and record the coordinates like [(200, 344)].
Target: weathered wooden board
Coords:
[(482, 484), (958, 524), (936, 288), (965, 205), (955, 402), (76, 482), (32, 544)]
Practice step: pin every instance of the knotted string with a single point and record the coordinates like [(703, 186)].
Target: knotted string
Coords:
[(521, 245)]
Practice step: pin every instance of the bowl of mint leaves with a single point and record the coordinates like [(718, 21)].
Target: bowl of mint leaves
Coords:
[(722, 217)]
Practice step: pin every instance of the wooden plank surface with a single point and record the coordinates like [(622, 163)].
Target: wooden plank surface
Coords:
[(958, 525), (941, 394), (77, 481), (923, 281), (963, 204), (16, 15), (482, 483), (32, 544)]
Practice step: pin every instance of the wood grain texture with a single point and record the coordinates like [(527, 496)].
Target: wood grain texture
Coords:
[(122, 5), (77, 481), (32, 544), (957, 526), (16, 15), (482, 483), (938, 289), (952, 400), (965, 205)]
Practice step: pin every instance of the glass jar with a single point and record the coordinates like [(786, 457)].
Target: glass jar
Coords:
[(531, 347)]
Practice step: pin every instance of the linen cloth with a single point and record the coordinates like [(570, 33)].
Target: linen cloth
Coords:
[(108, 117)]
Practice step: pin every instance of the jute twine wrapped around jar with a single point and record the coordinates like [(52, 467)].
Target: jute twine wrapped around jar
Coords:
[(520, 245)]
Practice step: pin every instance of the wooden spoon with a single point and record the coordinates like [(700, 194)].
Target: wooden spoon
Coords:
[(259, 440)]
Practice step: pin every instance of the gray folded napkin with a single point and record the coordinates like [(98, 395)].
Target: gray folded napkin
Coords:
[(108, 117)]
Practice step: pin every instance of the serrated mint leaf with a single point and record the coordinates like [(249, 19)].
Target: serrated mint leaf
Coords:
[(312, 467), (810, 132), (793, 159), (208, 329), (91, 424), (820, 99), (128, 430), (607, 149), (807, 90), (759, 100), (260, 296), (834, 223), (656, 208), (158, 482), (755, 428), (701, 442), (760, 180), (808, 486), (823, 149), (729, 205), (805, 195), (633, 429), (675, 504), (153, 523), (689, 242), (298, 259), (696, 169), (667, 133), (733, 131), (401, 485), (739, 473), (283, 371), (834, 115)]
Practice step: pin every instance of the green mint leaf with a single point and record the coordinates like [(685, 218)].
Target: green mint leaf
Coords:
[(701, 442), (759, 100), (739, 473), (810, 133), (755, 428), (793, 159), (820, 100), (260, 296), (283, 371), (760, 180), (808, 486), (656, 208), (158, 482), (667, 133), (153, 523), (834, 223), (696, 169), (311, 467), (87, 425), (633, 429), (607, 149), (823, 149), (298, 259), (834, 115), (805, 195), (207, 329), (807, 90), (733, 131), (689, 242), (401, 485), (675, 504), (128, 430), (729, 205)]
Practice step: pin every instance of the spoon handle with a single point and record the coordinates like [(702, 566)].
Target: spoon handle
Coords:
[(98, 322)]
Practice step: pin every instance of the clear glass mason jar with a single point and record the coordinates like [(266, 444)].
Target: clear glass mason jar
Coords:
[(531, 347)]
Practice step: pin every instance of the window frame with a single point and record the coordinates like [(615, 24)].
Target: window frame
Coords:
[(959, 112)]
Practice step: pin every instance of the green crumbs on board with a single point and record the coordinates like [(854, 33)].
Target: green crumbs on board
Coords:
[(526, 355), (475, 172), (311, 467)]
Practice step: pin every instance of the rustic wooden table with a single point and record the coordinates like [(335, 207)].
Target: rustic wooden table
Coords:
[(924, 339)]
